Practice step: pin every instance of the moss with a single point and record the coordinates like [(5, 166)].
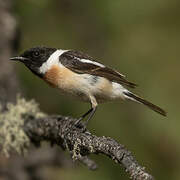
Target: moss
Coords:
[(12, 135)]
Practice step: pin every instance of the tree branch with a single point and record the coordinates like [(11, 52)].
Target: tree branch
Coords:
[(30, 125), (61, 131)]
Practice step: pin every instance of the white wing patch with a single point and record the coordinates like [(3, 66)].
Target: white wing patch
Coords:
[(121, 74), (96, 63), (53, 60), (91, 62)]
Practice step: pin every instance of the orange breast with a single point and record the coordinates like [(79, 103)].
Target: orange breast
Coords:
[(60, 77), (53, 75)]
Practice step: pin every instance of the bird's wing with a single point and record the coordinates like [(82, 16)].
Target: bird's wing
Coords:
[(83, 64)]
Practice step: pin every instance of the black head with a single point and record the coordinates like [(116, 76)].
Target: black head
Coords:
[(34, 58)]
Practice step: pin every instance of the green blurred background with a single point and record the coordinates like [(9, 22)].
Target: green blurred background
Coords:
[(139, 38)]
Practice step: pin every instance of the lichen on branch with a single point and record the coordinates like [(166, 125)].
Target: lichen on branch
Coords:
[(12, 135)]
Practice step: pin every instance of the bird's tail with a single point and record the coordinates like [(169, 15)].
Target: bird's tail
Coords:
[(133, 97)]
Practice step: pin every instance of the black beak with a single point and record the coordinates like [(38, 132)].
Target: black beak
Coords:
[(19, 58)]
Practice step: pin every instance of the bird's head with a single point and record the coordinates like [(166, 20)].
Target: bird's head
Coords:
[(34, 58)]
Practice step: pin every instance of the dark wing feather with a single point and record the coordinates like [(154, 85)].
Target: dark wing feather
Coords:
[(71, 60)]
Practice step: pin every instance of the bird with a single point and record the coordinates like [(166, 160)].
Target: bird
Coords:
[(79, 75)]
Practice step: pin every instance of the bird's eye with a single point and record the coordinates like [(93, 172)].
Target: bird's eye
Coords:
[(36, 54)]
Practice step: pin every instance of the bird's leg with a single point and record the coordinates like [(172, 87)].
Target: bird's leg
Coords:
[(90, 112), (83, 116)]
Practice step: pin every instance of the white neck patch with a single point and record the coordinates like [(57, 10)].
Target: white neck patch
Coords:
[(52, 60)]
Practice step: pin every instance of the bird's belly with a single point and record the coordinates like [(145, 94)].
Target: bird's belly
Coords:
[(81, 86)]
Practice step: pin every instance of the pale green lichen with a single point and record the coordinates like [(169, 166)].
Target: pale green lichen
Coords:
[(76, 150), (12, 135)]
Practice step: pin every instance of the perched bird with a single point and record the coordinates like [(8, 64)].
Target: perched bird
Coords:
[(77, 74)]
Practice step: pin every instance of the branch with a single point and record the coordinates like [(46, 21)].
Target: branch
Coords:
[(34, 127)]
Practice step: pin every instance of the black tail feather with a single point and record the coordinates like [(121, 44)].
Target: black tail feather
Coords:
[(146, 103)]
